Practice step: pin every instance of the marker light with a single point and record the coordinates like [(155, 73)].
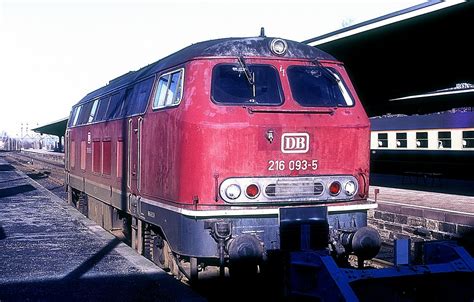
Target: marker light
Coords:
[(252, 191), (335, 188), (350, 188), (278, 47), (233, 191)]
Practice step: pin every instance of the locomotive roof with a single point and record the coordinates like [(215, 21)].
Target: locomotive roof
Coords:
[(233, 47)]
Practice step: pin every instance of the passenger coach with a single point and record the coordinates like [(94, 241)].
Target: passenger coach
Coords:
[(439, 143), (204, 155)]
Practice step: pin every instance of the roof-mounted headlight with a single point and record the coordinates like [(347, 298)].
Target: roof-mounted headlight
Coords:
[(278, 47)]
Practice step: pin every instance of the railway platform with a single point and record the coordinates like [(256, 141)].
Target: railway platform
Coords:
[(50, 252), (424, 213)]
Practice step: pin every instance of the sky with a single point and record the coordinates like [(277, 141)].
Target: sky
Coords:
[(54, 52)]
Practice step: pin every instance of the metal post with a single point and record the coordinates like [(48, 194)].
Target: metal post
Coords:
[(402, 251)]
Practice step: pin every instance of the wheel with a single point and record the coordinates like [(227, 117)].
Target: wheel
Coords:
[(160, 253)]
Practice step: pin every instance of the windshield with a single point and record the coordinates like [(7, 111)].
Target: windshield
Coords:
[(316, 86), (231, 84)]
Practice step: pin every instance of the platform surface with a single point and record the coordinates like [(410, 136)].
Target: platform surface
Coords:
[(50, 252), (432, 200), (420, 202)]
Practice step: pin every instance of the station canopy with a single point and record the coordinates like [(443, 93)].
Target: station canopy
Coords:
[(400, 61), (57, 128)]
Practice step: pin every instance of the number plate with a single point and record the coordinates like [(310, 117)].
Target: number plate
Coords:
[(293, 165)]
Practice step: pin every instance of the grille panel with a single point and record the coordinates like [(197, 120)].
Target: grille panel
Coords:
[(285, 188)]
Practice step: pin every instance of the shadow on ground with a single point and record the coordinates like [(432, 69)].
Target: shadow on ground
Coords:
[(80, 286), (11, 191), (6, 167), (132, 287)]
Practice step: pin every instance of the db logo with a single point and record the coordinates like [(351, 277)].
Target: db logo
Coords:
[(295, 142)]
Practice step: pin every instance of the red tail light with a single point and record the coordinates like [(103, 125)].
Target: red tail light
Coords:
[(335, 188), (252, 191)]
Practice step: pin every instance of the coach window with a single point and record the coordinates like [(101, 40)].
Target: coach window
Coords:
[(246, 84), (383, 140), (444, 139), (401, 140), (422, 139), (468, 139), (169, 90), (317, 86)]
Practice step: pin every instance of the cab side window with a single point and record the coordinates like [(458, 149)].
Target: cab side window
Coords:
[(169, 89)]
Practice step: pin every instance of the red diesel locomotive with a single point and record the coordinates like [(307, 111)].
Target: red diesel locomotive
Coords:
[(202, 156)]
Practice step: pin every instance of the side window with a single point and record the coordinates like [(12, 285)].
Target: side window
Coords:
[(169, 89), (383, 140), (141, 95), (444, 140), (75, 115), (468, 139), (115, 106), (85, 112), (422, 139), (102, 109), (93, 111), (401, 140)]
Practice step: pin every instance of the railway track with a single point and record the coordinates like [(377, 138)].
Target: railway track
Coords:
[(38, 167), (48, 173)]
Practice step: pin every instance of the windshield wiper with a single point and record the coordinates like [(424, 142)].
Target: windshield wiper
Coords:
[(249, 75), (327, 72)]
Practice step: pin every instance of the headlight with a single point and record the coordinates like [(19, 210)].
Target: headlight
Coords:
[(233, 191), (350, 188), (278, 46)]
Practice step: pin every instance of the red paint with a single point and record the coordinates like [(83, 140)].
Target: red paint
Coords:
[(184, 148)]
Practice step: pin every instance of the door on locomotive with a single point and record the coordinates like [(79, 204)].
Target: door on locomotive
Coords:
[(135, 128)]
